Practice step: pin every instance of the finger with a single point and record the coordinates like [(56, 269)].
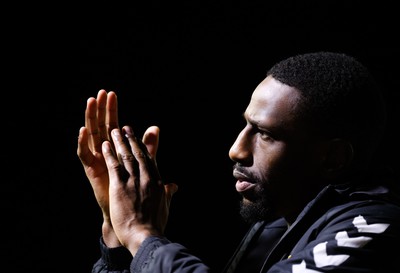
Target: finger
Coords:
[(101, 115), (91, 123), (113, 164), (112, 112), (124, 154), (151, 139), (83, 150), (147, 167), (170, 190), (139, 150)]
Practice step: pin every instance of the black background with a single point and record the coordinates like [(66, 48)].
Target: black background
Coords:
[(188, 67)]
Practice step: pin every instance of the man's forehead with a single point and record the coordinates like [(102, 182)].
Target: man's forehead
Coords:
[(271, 94)]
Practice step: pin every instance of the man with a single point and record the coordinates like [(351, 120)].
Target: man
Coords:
[(306, 169)]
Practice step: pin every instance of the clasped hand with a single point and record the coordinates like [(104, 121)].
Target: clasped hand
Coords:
[(123, 173), (139, 201)]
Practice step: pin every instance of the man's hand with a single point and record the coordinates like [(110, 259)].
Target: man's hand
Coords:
[(101, 116), (139, 201)]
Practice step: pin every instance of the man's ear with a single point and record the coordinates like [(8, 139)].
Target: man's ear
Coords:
[(338, 157)]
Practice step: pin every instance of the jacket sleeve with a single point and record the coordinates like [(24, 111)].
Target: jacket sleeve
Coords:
[(158, 255), (155, 255), (113, 260), (361, 238)]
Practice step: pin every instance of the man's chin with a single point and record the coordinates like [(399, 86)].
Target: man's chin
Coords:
[(252, 212)]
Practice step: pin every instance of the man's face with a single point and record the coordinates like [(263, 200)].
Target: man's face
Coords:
[(277, 160)]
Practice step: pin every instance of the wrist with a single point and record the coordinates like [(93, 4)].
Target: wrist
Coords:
[(137, 238), (109, 237)]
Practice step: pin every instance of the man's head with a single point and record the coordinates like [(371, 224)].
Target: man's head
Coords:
[(315, 119)]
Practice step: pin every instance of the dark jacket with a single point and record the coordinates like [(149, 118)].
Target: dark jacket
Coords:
[(344, 229)]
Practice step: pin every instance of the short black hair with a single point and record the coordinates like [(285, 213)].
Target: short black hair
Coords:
[(339, 97)]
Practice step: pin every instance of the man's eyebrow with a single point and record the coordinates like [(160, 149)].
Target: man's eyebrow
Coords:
[(249, 120), (246, 118), (277, 131)]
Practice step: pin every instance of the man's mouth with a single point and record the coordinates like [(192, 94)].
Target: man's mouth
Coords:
[(242, 186), (243, 182)]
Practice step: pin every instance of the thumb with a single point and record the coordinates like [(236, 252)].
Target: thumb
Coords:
[(170, 189)]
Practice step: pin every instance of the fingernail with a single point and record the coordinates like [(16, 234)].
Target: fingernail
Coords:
[(115, 132), (128, 130)]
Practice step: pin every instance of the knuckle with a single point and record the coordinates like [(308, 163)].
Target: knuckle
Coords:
[(139, 155), (127, 157)]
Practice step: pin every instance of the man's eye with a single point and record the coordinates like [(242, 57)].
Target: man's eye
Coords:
[(265, 135)]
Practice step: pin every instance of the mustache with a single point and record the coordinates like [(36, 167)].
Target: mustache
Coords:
[(244, 171)]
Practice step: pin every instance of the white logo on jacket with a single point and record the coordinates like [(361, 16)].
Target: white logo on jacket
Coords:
[(321, 258)]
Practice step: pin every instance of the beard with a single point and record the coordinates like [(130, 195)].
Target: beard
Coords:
[(257, 209)]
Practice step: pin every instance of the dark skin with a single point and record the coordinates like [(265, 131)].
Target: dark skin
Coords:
[(280, 164), (276, 155), (101, 117)]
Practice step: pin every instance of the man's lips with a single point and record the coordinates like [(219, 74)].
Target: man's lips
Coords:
[(242, 186), (243, 182)]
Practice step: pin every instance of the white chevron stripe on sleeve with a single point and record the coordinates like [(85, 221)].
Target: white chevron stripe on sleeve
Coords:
[(321, 257), (361, 224)]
